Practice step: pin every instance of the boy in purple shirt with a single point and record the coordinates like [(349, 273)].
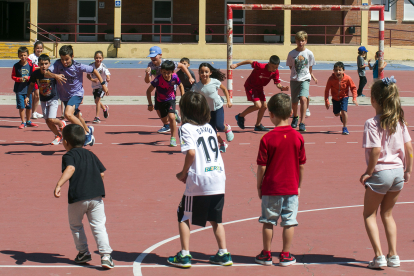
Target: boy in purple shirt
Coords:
[(70, 76), (166, 85)]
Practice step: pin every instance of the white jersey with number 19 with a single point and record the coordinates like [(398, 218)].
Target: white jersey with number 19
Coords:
[(206, 175)]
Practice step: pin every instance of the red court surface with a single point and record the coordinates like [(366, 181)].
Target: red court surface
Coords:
[(143, 195)]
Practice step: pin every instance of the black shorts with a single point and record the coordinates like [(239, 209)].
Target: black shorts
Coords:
[(98, 93), (165, 107), (200, 209)]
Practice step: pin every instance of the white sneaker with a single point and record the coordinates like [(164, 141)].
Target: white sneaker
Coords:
[(307, 112), (39, 116), (378, 262), (393, 261), (34, 115)]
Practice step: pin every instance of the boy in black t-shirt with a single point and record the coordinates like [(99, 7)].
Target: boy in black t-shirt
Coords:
[(86, 189), (183, 77)]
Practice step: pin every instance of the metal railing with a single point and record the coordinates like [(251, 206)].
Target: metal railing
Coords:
[(56, 41), (73, 24), (390, 32), (326, 34)]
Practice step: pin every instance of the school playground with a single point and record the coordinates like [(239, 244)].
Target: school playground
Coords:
[(143, 193)]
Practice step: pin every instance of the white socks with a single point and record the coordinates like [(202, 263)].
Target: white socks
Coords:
[(222, 251), (185, 252)]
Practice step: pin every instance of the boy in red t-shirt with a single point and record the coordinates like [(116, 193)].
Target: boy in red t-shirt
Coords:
[(261, 75), (280, 168)]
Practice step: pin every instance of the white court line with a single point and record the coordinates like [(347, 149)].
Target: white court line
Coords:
[(310, 143), (2, 140), (352, 142), (97, 143), (19, 141), (137, 263), (115, 143), (61, 266), (244, 143), (330, 142), (37, 141)]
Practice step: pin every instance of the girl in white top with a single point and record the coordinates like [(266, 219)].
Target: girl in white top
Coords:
[(98, 93), (210, 82), (37, 51), (389, 156)]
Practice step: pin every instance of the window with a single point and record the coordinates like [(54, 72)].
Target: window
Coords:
[(408, 11), (238, 18), (390, 15), (162, 13), (87, 13)]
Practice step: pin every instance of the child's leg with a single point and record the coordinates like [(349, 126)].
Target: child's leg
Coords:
[(69, 114), (260, 114), (387, 205), (76, 211), (173, 125), (303, 106), (184, 229), (371, 202), (51, 123), (344, 116), (21, 113), (83, 124), (62, 109), (28, 114), (36, 99), (98, 104), (102, 105), (287, 235), (97, 219), (219, 139), (220, 234), (267, 236), (251, 109), (362, 83)]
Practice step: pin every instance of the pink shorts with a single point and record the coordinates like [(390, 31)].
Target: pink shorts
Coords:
[(255, 94)]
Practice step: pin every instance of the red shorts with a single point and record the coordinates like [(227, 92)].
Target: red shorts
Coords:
[(255, 94)]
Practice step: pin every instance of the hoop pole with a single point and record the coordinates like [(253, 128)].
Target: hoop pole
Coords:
[(381, 40), (230, 51)]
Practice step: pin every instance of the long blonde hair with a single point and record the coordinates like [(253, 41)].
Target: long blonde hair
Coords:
[(387, 96)]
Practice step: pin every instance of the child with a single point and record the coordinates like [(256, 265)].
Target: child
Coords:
[(260, 76), (72, 95), (166, 85), (48, 97), (389, 157), (300, 62), (362, 56), (37, 51), (86, 189), (280, 169), (376, 69), (204, 176), (210, 82), (340, 84), (97, 87), (21, 73), (154, 69), (183, 77)]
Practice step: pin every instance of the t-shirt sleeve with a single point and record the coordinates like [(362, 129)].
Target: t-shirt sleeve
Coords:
[(262, 155), (98, 162), (256, 65), (371, 138), (289, 60), (178, 80), (34, 77), (406, 134), (55, 68), (311, 59), (106, 70), (186, 141), (67, 160), (302, 153), (360, 62), (276, 77), (86, 68), (155, 82)]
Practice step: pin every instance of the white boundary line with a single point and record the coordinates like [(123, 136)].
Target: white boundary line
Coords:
[(137, 264)]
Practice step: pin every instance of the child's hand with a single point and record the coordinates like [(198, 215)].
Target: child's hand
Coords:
[(148, 70), (191, 80), (315, 80), (94, 80), (327, 105), (26, 78), (57, 192), (284, 88), (105, 89), (26, 101), (108, 78), (150, 107), (182, 176), (107, 93), (233, 66), (259, 192), (229, 104), (407, 176), (364, 178), (355, 102), (60, 78)]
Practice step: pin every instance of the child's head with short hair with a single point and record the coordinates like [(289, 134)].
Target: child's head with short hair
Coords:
[(377, 55), (23, 53), (339, 69), (98, 57), (362, 51), (73, 136), (44, 63), (384, 94), (194, 109), (167, 69), (273, 63), (185, 61), (301, 38), (206, 71), (280, 106), (38, 48), (155, 54), (66, 55)]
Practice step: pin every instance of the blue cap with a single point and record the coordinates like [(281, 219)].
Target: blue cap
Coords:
[(362, 49), (154, 51)]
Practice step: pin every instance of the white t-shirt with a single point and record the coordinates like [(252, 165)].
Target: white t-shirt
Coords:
[(300, 63), (392, 147), (34, 59), (210, 91), (206, 175), (103, 71)]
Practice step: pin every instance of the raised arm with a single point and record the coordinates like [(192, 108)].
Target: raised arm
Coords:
[(234, 66), (185, 70), (147, 78)]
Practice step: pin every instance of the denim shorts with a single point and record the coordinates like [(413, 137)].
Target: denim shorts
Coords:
[(20, 101), (386, 181), (285, 207), (341, 105)]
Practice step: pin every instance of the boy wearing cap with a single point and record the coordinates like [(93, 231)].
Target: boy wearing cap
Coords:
[(153, 70), (362, 56)]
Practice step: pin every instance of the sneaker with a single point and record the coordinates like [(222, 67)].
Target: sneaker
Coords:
[(240, 121), (164, 129), (286, 261), (393, 261), (223, 147), (57, 140), (38, 115), (96, 120), (362, 95), (180, 260), (63, 125), (302, 127), (294, 123), (177, 117), (260, 128), (264, 259), (83, 257), (106, 111), (173, 142), (90, 140), (30, 124), (308, 112), (91, 130), (229, 134), (23, 125), (223, 259), (345, 131), (106, 262), (34, 116), (378, 262)]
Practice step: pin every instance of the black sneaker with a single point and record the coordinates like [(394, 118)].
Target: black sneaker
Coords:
[(263, 259), (286, 261), (106, 262), (106, 111), (83, 257), (240, 121), (302, 127), (260, 128), (294, 123)]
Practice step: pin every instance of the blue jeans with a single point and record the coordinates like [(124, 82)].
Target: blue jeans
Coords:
[(217, 120)]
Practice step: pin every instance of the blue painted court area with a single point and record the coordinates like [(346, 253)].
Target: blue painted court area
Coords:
[(113, 63)]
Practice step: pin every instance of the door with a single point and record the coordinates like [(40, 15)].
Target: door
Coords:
[(26, 20), (162, 13), (238, 18), (87, 13), (15, 22)]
